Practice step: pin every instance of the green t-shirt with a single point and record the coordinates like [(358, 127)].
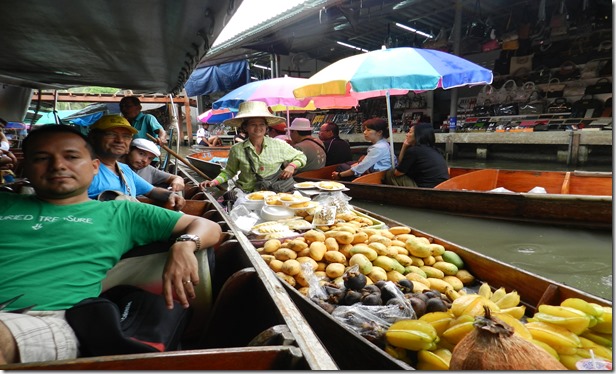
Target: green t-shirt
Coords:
[(57, 255)]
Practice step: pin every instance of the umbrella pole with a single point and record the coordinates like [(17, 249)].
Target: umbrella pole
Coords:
[(288, 124), (391, 131)]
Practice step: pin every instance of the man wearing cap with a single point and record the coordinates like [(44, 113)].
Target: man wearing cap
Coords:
[(130, 106), (279, 132), (259, 157), (338, 150), (301, 138), (139, 158), (110, 137)]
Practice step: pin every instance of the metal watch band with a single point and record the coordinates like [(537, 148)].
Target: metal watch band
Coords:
[(192, 238)]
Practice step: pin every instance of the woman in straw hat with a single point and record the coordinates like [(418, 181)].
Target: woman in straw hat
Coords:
[(260, 157)]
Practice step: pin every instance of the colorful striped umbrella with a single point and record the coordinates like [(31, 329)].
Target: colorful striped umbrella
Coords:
[(381, 72), (215, 116), (278, 93)]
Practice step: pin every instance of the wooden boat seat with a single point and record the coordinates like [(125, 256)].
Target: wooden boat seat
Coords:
[(591, 183), (371, 178), (322, 173), (243, 358), (145, 271), (243, 300), (512, 180)]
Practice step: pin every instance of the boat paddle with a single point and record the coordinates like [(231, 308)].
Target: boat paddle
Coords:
[(185, 161)]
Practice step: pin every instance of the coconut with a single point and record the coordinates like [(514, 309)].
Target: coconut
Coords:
[(493, 346)]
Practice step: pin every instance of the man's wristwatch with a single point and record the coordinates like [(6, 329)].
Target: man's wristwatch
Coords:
[(190, 237)]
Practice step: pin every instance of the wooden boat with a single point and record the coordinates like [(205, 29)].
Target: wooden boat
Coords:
[(580, 199), (203, 160), (340, 341), (242, 318)]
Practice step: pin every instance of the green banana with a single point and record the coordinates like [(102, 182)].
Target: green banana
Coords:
[(413, 335), (569, 361), (604, 340), (604, 324)]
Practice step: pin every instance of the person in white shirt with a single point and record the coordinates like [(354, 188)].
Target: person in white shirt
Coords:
[(205, 138)]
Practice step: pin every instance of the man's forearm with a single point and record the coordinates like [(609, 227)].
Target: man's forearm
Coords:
[(159, 194)]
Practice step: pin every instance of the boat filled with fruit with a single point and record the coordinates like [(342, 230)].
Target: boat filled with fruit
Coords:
[(402, 298)]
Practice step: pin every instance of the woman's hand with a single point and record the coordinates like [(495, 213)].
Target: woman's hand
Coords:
[(206, 184), (287, 172), (177, 184)]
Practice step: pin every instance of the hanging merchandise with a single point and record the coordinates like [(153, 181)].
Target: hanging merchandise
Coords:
[(521, 65), (601, 86), (574, 88), (559, 21), (591, 68), (507, 92), (487, 93), (560, 105), (587, 107), (541, 32), (510, 36), (553, 88), (534, 105), (568, 71)]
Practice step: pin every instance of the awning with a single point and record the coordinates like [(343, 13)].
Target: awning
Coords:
[(219, 78)]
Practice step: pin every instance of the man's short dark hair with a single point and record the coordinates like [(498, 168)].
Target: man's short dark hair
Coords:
[(304, 133), (46, 130), (333, 127), (133, 100)]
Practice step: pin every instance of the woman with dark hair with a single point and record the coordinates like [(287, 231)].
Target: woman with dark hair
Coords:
[(377, 158), (421, 163)]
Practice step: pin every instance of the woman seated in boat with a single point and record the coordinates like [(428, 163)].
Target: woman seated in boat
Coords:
[(139, 158), (240, 136), (377, 157), (420, 163), (260, 158), (205, 138)]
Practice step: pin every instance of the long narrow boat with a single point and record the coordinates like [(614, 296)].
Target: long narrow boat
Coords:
[(242, 318), (340, 341), (579, 199), (209, 160)]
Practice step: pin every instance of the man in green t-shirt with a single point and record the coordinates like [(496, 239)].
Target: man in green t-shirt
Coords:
[(58, 245)]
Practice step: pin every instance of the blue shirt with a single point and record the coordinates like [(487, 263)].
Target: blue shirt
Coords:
[(377, 159), (146, 124), (108, 180)]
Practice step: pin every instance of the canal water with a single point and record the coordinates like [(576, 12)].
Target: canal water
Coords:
[(577, 257)]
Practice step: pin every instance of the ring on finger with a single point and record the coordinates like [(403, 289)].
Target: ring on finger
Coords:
[(186, 282)]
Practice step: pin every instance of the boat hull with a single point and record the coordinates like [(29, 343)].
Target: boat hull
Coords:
[(201, 160), (243, 321), (577, 210)]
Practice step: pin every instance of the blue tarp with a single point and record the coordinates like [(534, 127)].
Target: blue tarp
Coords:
[(220, 78)]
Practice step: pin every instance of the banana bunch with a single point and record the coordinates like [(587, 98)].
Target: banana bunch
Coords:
[(412, 334), (500, 297), (434, 360), (472, 304), (572, 319)]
